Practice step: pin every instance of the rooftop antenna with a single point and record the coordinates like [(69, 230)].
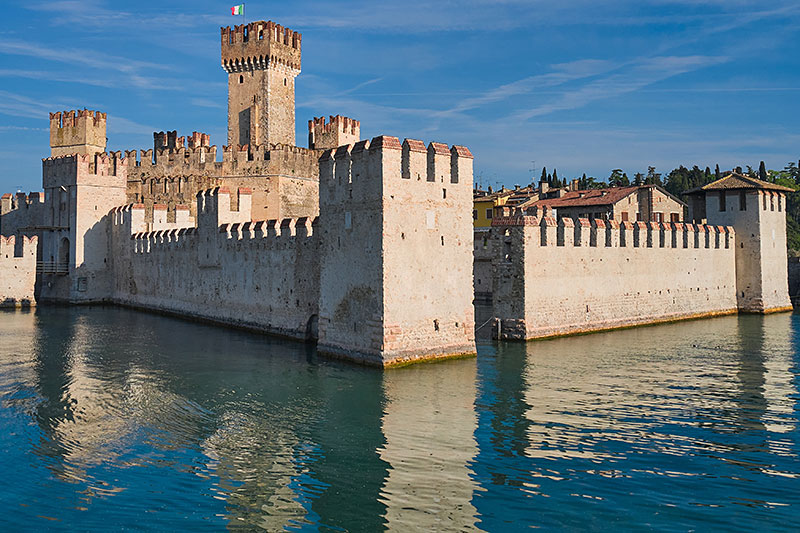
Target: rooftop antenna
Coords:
[(533, 171)]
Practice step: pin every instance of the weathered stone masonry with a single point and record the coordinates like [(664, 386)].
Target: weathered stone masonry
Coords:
[(17, 271), (365, 279), (557, 277)]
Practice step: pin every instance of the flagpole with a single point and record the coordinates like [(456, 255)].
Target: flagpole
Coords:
[(242, 14)]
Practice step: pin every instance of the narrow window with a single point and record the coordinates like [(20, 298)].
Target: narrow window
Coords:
[(444, 193), (742, 201), (771, 203), (488, 213), (241, 78), (779, 202), (722, 200), (284, 82), (765, 201), (624, 216)]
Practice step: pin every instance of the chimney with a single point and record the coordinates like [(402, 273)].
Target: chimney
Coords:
[(489, 189), (573, 186), (738, 170), (516, 187), (544, 187)]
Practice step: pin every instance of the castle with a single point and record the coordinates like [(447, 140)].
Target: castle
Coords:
[(365, 247)]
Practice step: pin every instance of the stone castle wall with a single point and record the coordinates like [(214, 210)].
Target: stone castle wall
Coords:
[(22, 214), (262, 275), (555, 278), (397, 251), (17, 271)]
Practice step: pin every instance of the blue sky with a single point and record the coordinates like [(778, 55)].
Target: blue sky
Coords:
[(583, 86)]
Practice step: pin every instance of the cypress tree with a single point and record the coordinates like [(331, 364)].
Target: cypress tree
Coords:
[(544, 174), (762, 171), (555, 175), (716, 172)]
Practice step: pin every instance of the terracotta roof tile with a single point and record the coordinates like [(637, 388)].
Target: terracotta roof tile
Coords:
[(415, 145), (738, 181), (439, 148), (462, 151)]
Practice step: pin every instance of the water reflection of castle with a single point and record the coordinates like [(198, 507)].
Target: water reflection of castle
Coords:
[(271, 438)]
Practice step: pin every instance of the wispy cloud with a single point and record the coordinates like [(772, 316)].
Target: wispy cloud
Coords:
[(641, 74), (562, 73), (76, 56)]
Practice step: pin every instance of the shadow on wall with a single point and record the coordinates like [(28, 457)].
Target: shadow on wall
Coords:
[(794, 281)]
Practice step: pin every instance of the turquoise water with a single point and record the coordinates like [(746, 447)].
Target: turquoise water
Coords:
[(112, 419)]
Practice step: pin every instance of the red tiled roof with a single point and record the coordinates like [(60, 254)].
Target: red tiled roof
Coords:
[(738, 181), (589, 197)]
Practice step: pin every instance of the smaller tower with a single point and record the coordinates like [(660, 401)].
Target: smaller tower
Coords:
[(338, 132), (80, 132), (757, 211)]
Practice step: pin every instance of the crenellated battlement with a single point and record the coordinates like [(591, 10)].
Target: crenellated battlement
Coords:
[(258, 46), (20, 201), (72, 119), (340, 130), (15, 247), (214, 207), (82, 132), (83, 168), (566, 232), (169, 140), (436, 163)]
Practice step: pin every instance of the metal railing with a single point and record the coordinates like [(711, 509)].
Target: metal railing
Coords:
[(52, 267)]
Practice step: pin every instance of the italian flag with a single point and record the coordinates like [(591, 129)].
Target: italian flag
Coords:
[(237, 10)]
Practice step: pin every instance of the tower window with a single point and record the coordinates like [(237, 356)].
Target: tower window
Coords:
[(284, 82), (260, 35), (241, 78), (742, 201), (722, 200)]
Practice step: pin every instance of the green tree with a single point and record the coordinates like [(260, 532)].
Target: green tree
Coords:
[(762, 171), (615, 179), (555, 177), (544, 175), (653, 177), (716, 172)]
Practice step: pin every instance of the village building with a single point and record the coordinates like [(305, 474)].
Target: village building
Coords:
[(637, 203)]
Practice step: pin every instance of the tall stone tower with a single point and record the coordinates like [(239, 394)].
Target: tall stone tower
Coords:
[(262, 60), (77, 132), (396, 252), (757, 211)]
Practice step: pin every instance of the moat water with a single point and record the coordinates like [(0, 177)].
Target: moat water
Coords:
[(113, 419)]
